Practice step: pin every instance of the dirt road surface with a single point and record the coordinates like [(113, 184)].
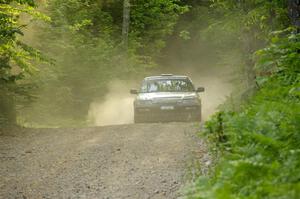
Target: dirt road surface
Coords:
[(113, 162)]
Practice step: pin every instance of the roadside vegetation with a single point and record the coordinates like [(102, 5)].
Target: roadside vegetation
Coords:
[(255, 136), (16, 57), (258, 146)]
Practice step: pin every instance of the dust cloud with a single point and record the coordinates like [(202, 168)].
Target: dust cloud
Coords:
[(218, 87), (116, 108), (180, 57)]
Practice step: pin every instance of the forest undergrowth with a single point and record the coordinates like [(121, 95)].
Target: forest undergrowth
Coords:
[(257, 146)]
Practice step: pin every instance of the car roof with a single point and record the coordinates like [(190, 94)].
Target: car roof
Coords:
[(166, 76)]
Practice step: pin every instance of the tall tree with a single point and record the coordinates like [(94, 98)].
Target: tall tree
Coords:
[(16, 58), (126, 22), (294, 12)]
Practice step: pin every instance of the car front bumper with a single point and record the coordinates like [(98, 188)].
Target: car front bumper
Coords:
[(167, 113)]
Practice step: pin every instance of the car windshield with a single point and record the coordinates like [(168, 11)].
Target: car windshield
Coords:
[(167, 85)]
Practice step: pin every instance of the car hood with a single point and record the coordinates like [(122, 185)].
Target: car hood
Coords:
[(166, 96)]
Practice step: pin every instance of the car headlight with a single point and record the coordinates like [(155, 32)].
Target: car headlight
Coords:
[(190, 101)]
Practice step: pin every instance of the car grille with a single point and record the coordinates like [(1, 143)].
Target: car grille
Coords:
[(177, 114), (169, 101)]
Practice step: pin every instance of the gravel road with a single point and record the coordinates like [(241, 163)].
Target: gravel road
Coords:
[(114, 162)]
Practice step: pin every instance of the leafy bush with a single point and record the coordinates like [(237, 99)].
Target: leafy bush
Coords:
[(14, 54), (261, 157)]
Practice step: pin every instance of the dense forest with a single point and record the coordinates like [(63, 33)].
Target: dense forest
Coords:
[(48, 83), (57, 56)]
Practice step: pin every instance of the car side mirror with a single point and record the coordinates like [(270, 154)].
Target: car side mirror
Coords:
[(200, 89), (133, 91)]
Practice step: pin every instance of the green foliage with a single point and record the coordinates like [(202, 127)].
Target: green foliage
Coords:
[(17, 59), (261, 158), (224, 34), (153, 21), (241, 24), (281, 57), (14, 53), (85, 39)]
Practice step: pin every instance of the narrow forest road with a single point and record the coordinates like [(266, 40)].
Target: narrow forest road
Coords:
[(116, 162)]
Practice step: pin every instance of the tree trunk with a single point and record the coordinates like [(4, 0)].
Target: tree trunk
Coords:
[(294, 12), (7, 110), (126, 22)]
